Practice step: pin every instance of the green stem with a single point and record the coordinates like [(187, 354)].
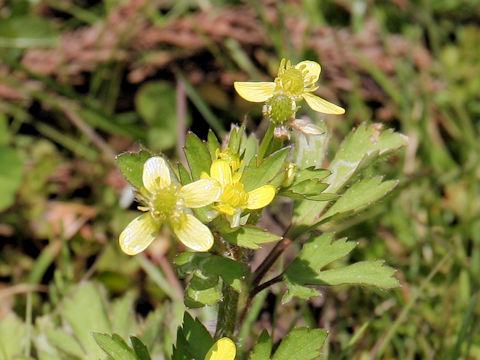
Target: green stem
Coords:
[(227, 313), (265, 143)]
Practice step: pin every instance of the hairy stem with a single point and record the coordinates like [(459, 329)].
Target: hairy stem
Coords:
[(227, 313)]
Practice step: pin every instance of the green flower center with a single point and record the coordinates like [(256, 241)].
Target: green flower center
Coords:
[(291, 81), (164, 203), (279, 108)]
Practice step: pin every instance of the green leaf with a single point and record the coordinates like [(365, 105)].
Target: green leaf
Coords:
[(193, 340), (122, 314), (249, 236), (184, 175), (11, 170), (308, 189), (235, 138), (131, 165), (140, 348), (85, 313), (311, 174), (373, 273), (299, 291), (362, 146), (249, 149), (65, 342), (12, 336), (211, 265), (320, 251), (359, 196), (203, 289), (263, 347), (27, 32), (317, 253), (310, 151), (198, 156), (4, 131), (116, 348), (301, 344), (155, 102), (212, 144), (253, 177)]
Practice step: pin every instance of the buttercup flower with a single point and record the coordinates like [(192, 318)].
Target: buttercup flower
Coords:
[(292, 84), (233, 198), (166, 201), (223, 349)]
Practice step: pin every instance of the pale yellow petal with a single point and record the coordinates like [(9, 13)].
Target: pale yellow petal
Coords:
[(311, 70), (193, 234), (220, 170), (139, 234), (225, 208), (156, 175), (223, 349), (321, 105), (255, 91), (200, 193), (260, 197)]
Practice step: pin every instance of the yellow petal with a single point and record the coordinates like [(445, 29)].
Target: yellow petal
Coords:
[(311, 70), (221, 171), (321, 105), (139, 234), (156, 175), (193, 234), (200, 193), (255, 91), (260, 197), (225, 208), (223, 349)]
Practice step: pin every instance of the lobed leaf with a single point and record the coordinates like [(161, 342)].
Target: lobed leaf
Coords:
[(301, 344), (249, 236), (193, 340), (263, 347), (114, 346)]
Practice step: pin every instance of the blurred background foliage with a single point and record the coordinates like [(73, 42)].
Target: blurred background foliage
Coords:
[(83, 80)]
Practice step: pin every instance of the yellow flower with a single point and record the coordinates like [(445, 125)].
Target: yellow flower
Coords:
[(234, 199), (168, 202), (294, 82), (223, 349)]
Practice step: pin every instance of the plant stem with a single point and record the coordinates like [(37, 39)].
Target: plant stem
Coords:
[(267, 138), (227, 313)]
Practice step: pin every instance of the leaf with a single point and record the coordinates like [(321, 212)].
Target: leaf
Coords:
[(85, 313), (198, 156), (249, 236), (12, 334), (299, 291), (359, 196), (263, 347), (372, 272), (311, 174), (155, 102), (229, 270), (193, 340), (27, 32), (212, 144), (362, 146), (253, 177), (11, 170), (183, 175), (203, 289), (301, 344), (317, 253), (131, 165), (310, 151), (250, 149), (122, 314), (320, 251), (116, 348), (308, 189), (65, 342), (235, 138), (140, 349)]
